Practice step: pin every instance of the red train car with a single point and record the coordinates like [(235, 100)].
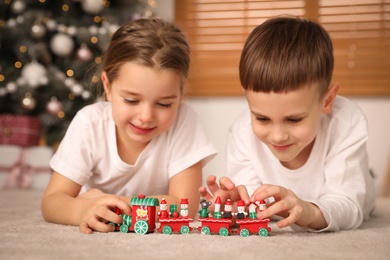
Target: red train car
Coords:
[(213, 225), (143, 216), (175, 225)]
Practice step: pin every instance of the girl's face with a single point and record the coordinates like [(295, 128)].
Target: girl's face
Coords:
[(145, 102), (288, 122)]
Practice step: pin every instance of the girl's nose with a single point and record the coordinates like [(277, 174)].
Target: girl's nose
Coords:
[(145, 114)]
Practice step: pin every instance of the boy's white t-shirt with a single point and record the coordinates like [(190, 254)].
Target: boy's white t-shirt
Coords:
[(336, 176), (88, 153)]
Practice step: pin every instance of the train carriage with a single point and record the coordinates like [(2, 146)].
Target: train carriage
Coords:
[(214, 225), (175, 225), (253, 226)]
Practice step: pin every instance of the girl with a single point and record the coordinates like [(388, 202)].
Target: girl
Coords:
[(143, 140)]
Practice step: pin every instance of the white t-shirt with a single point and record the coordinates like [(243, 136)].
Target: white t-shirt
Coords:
[(88, 153), (336, 176)]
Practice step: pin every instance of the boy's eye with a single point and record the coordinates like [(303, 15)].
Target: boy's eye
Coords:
[(294, 120), (262, 119)]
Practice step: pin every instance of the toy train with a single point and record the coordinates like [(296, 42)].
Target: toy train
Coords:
[(143, 218)]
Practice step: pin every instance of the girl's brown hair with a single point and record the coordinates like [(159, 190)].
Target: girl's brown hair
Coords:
[(153, 43), (287, 53)]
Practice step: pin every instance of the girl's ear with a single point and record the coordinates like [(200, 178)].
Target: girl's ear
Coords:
[(330, 98), (106, 85)]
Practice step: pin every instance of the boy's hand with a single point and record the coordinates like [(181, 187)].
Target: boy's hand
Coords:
[(225, 190), (289, 206), (99, 211)]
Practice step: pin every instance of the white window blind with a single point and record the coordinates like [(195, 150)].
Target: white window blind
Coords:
[(217, 30)]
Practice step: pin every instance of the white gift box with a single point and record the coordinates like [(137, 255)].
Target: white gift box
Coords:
[(24, 167)]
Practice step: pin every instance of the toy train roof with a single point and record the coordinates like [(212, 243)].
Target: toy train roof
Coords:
[(141, 200)]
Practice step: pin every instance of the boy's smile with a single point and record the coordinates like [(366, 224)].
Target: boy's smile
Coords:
[(287, 122)]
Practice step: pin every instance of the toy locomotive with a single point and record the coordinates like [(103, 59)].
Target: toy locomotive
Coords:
[(143, 218)]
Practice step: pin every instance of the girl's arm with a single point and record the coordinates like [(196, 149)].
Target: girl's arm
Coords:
[(185, 185), (61, 204)]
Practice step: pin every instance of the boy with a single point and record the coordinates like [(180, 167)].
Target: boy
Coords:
[(299, 144)]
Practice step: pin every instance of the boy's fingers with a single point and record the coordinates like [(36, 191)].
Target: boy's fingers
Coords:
[(204, 194), (243, 194), (226, 183)]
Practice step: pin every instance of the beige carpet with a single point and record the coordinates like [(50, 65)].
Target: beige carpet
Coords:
[(25, 235)]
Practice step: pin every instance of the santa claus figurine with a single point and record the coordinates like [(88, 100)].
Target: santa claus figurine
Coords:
[(241, 210), (163, 213), (227, 213), (184, 208)]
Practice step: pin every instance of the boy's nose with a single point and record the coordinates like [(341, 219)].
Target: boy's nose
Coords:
[(279, 135)]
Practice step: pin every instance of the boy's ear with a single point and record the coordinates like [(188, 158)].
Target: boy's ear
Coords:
[(330, 98), (106, 85)]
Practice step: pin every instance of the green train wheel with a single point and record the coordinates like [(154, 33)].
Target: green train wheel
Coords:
[(224, 232), (167, 230), (141, 227), (124, 228), (244, 232), (205, 230), (184, 230), (263, 232)]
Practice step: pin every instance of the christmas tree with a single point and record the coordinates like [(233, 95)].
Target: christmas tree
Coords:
[(49, 54)]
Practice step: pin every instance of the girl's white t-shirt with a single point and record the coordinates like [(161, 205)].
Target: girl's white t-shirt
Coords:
[(336, 176), (88, 153)]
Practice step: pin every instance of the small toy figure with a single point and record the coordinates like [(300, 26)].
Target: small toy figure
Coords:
[(262, 205), (184, 208), (228, 209), (217, 208), (253, 210), (241, 210), (204, 212), (163, 213)]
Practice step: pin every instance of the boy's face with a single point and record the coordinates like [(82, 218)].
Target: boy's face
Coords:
[(288, 122), (144, 101)]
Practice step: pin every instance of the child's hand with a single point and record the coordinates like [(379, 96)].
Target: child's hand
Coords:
[(225, 190), (99, 212), (289, 206)]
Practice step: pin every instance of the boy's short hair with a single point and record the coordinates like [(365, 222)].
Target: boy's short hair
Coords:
[(287, 53)]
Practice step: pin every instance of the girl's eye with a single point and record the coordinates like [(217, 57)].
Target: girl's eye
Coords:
[(131, 101), (165, 105)]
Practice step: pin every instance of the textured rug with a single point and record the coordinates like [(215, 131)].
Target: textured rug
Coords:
[(25, 235)]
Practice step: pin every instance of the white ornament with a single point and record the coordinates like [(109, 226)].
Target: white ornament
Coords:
[(33, 73), (18, 6), (92, 6), (54, 106), (38, 31), (62, 44)]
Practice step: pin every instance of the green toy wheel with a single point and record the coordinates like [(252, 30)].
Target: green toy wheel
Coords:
[(167, 230), (224, 232), (184, 230), (263, 232), (205, 230), (244, 232), (141, 227), (124, 228)]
